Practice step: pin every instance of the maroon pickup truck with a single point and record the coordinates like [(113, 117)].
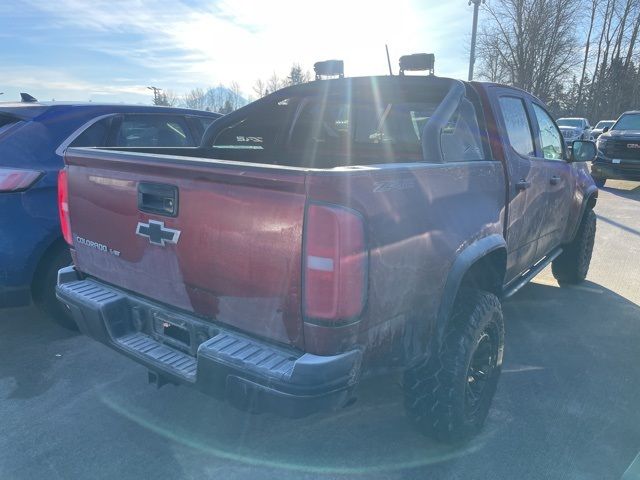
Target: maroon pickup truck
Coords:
[(329, 232)]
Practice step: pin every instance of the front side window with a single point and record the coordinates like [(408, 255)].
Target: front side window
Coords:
[(517, 125), (153, 131), (550, 138)]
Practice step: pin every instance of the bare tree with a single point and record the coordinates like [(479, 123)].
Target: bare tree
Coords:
[(236, 95), (171, 99), (166, 98), (615, 75), (587, 46), (215, 98), (274, 83), (297, 75), (492, 67), (259, 88), (529, 43), (196, 99)]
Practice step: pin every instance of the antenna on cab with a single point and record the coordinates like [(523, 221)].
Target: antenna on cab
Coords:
[(386, 47)]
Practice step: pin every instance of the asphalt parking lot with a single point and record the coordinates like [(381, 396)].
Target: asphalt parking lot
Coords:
[(567, 405)]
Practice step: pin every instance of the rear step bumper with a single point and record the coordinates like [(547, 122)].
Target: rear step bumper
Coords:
[(251, 374)]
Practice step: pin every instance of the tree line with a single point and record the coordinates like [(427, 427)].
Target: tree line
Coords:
[(227, 98), (581, 57)]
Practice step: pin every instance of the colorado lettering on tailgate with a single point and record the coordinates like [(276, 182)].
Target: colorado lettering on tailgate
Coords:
[(96, 245)]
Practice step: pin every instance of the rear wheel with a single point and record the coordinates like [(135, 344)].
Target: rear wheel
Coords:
[(44, 288), (573, 263), (599, 181), (448, 396)]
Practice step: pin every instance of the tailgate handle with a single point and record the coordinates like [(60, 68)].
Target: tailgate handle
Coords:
[(158, 198)]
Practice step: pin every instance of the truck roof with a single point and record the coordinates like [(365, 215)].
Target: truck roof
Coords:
[(385, 83), (382, 82)]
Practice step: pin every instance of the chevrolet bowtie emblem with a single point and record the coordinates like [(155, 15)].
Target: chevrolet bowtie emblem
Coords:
[(157, 233)]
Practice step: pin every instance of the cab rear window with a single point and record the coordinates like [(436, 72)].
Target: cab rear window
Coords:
[(330, 130)]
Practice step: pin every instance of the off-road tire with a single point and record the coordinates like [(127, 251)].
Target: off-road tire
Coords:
[(44, 287), (437, 399), (599, 181), (572, 265)]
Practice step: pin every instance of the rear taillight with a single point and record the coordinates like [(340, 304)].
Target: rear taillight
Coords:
[(17, 180), (335, 264), (63, 205)]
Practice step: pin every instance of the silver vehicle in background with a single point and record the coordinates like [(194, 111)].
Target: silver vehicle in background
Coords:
[(574, 129), (601, 127)]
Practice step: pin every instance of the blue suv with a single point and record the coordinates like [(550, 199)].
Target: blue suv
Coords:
[(33, 138)]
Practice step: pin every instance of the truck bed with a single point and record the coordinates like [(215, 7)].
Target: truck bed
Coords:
[(239, 259)]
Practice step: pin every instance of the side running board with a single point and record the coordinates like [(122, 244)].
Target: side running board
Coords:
[(527, 276)]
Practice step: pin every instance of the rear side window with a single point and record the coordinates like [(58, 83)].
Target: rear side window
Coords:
[(517, 125), (153, 131), (94, 136)]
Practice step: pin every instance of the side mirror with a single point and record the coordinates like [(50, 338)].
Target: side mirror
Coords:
[(583, 151), (605, 129)]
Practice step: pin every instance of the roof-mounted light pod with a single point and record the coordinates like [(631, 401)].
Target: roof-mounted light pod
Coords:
[(417, 62), (329, 69)]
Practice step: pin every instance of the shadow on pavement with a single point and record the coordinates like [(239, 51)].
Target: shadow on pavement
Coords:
[(566, 407), (632, 193), (618, 225), (29, 342)]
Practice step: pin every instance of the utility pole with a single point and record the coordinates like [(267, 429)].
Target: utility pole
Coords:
[(474, 32), (156, 94)]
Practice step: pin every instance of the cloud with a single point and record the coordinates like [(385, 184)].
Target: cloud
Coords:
[(181, 46), (61, 85)]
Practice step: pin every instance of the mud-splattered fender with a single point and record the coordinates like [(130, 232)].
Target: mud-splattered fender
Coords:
[(587, 192), (460, 266)]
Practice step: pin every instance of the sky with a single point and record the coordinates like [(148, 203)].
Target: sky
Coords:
[(111, 51)]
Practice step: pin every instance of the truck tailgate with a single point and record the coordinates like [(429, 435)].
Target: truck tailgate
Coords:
[(230, 251)]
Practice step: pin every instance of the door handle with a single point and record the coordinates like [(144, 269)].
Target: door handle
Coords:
[(523, 184), (554, 180)]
